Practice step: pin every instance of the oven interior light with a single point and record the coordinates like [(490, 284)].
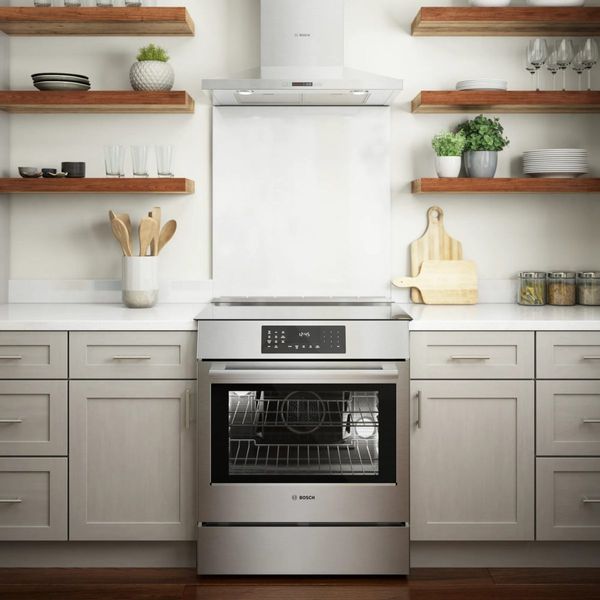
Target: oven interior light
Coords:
[(365, 428)]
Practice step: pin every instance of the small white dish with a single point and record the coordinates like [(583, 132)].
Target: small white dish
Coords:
[(489, 3), (549, 3)]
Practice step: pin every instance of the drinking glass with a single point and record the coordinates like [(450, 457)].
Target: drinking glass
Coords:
[(73, 3), (104, 3), (537, 53), (531, 70), (164, 160), (552, 66), (564, 56), (589, 54), (139, 158), (578, 66), (114, 161), (42, 3), (133, 2)]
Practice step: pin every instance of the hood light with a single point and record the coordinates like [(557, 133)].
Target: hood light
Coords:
[(245, 92), (360, 92)]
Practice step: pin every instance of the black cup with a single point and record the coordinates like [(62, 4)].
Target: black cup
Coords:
[(48, 172), (73, 169)]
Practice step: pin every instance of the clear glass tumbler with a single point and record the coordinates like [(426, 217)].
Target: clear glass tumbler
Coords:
[(42, 3), (133, 2), (73, 3), (164, 161), (139, 158), (114, 161), (108, 3)]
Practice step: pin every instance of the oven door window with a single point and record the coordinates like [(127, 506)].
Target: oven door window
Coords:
[(303, 433)]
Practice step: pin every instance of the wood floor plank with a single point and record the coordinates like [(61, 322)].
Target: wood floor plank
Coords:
[(104, 576), (545, 576), (420, 578), (96, 591)]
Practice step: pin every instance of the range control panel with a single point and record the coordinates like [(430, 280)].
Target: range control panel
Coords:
[(312, 339)]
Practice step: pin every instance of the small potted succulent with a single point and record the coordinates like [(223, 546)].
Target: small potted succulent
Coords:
[(152, 71), (484, 139), (448, 149)]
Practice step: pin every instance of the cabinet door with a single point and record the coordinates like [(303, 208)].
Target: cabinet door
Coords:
[(131, 466), (472, 460)]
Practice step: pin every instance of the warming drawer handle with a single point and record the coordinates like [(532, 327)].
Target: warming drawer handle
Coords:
[(316, 373), (590, 421), (591, 358), (10, 500), (132, 358), (467, 357), (15, 357), (587, 500), (10, 421)]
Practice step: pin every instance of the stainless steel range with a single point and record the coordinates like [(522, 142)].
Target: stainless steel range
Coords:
[(303, 437)]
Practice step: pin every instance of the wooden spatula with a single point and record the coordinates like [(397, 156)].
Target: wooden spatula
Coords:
[(155, 214), (120, 232), (148, 229), (166, 233), (434, 244), (444, 282), (126, 221)]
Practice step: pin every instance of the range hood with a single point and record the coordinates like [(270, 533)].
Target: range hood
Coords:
[(302, 62)]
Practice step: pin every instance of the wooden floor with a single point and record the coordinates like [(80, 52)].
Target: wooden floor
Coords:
[(183, 584)]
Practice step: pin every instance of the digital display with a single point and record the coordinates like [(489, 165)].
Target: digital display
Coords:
[(302, 83), (311, 339)]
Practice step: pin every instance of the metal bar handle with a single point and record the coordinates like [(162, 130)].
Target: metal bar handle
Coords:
[(11, 500), (591, 358), (132, 358), (587, 500), (419, 421), (591, 420), (9, 421), (187, 408), (312, 373), (467, 357), (15, 357)]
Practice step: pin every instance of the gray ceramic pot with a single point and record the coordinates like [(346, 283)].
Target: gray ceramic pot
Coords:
[(481, 163)]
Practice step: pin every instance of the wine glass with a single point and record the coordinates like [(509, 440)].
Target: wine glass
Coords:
[(552, 66), (537, 53), (578, 66), (564, 56), (531, 70), (589, 54)]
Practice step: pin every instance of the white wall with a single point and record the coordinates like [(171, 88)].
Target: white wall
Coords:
[(4, 169), (69, 237)]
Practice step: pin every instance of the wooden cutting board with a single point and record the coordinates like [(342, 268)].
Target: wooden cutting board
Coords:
[(435, 244), (444, 282)]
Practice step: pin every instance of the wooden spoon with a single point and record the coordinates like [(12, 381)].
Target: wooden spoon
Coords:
[(120, 232), (148, 228), (156, 214), (166, 233), (126, 221)]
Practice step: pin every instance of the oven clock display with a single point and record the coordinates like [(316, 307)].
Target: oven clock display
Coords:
[(311, 339)]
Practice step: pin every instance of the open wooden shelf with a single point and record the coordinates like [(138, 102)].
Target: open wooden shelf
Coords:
[(506, 102), (509, 21), (100, 185), (529, 185), (96, 21), (33, 101)]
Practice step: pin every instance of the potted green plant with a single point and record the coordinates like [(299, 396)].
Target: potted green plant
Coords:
[(152, 71), (484, 139), (448, 149)]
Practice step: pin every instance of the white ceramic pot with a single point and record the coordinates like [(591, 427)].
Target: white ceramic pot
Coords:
[(490, 3), (448, 166), (140, 281), (152, 76)]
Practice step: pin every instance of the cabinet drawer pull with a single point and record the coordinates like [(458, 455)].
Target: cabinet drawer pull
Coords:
[(587, 500), (187, 409), (419, 421), (591, 358), (10, 421), (132, 358), (16, 357), (10, 500), (460, 357), (591, 421)]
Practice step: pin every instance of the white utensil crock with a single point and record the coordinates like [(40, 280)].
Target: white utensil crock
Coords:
[(140, 281), (448, 166)]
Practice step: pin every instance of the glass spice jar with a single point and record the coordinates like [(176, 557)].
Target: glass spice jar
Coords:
[(532, 288), (588, 288), (562, 289)]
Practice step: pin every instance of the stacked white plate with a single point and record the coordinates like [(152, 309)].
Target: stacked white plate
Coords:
[(61, 81), (555, 162), (555, 2), (482, 84)]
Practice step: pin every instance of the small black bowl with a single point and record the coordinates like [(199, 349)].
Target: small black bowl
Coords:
[(74, 169), (47, 173)]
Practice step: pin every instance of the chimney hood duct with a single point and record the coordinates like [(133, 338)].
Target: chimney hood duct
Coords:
[(302, 62)]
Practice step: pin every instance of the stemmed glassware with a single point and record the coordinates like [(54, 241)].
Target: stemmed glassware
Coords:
[(578, 66), (564, 56), (589, 57), (552, 65), (530, 69), (537, 53)]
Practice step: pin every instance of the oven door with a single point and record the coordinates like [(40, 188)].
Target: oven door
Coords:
[(304, 441)]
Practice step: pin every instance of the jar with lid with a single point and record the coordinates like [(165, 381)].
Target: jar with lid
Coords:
[(562, 290), (532, 288), (588, 288)]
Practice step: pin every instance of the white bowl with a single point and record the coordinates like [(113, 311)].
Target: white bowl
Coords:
[(489, 3)]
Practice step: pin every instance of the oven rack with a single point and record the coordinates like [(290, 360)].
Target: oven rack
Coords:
[(360, 457)]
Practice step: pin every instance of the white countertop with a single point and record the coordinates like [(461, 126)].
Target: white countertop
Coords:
[(180, 317)]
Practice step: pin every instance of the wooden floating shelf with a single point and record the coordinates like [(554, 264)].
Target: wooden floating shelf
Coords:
[(96, 102), (506, 102), (96, 21), (509, 21), (100, 185), (530, 185)]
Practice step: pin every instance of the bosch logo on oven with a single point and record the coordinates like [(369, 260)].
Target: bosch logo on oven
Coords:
[(305, 497)]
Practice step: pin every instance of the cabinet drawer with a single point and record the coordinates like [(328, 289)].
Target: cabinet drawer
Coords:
[(33, 498), (33, 418), (568, 418), (133, 355), (472, 355), (568, 498), (33, 355), (568, 355)]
